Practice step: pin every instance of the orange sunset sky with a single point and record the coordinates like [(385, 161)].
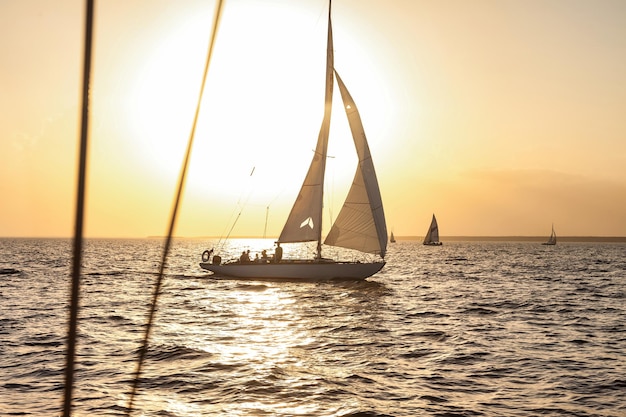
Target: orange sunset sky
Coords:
[(502, 117)]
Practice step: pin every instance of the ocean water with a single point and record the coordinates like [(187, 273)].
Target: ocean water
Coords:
[(467, 329)]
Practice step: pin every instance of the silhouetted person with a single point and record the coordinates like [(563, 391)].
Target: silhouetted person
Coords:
[(278, 253)]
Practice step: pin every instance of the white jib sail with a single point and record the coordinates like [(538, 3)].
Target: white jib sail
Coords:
[(361, 223)]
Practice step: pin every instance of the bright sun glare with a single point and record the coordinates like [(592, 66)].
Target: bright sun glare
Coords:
[(261, 111), (162, 103)]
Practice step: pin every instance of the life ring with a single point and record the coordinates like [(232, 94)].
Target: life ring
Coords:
[(206, 255)]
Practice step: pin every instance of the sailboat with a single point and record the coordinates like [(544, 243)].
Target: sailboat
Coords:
[(432, 235), (360, 224), (551, 239), (392, 238)]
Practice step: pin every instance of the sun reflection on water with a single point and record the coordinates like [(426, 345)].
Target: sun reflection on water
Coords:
[(263, 327), (265, 336)]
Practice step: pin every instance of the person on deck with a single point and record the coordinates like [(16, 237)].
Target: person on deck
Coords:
[(278, 253), (244, 258)]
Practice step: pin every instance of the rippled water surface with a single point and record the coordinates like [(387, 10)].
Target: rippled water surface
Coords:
[(467, 329)]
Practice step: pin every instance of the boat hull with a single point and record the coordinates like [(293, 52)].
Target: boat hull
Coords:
[(296, 270)]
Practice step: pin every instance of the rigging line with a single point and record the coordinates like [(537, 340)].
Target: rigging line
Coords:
[(245, 203), (223, 236), (240, 206), (80, 209), (234, 223), (181, 183)]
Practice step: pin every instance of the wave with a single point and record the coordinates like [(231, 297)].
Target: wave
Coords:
[(163, 353)]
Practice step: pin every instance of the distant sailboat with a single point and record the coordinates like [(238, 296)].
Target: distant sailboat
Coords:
[(551, 239), (432, 235), (392, 238)]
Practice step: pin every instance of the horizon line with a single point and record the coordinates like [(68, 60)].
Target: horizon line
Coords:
[(534, 238)]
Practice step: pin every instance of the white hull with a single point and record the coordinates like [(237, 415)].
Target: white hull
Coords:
[(296, 270)]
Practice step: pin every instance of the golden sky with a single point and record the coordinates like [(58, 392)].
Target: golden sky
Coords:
[(502, 117)]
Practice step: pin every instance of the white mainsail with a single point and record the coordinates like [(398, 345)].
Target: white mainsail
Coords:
[(304, 223)]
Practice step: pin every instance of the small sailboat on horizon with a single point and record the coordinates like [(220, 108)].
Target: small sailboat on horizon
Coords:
[(432, 235), (392, 238), (552, 239)]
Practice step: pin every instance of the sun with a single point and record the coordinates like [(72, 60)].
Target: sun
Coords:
[(250, 112), (161, 103), (261, 109)]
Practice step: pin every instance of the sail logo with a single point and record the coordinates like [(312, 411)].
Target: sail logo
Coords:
[(307, 222)]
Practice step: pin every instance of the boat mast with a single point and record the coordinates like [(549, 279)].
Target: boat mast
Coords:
[(304, 223), (328, 103)]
